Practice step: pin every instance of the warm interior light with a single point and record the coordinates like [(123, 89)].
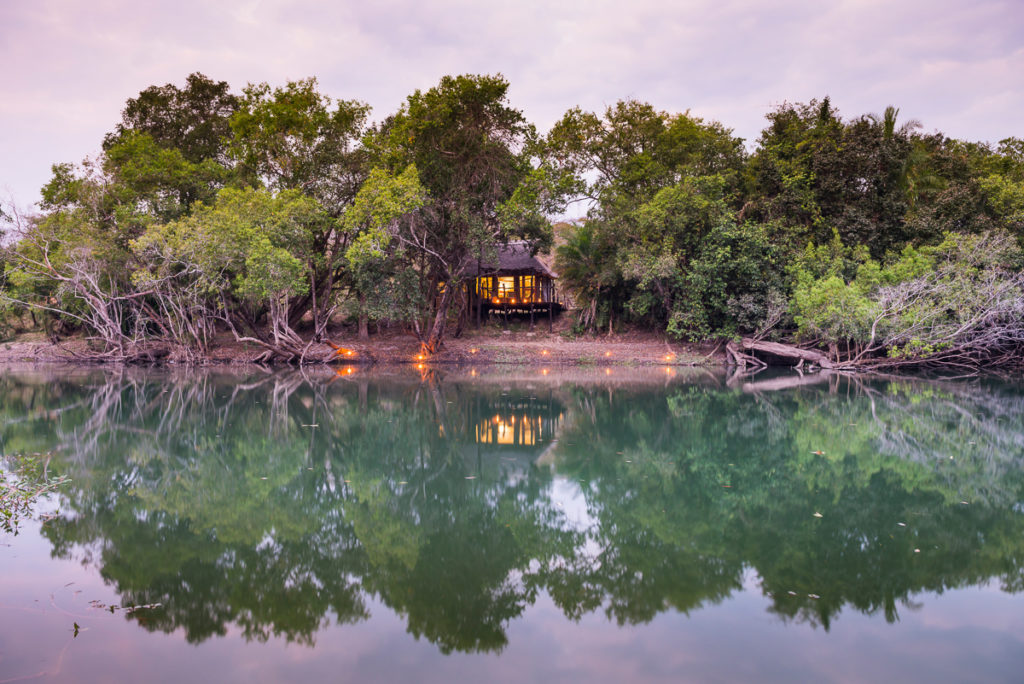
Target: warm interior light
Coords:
[(474, 350), (419, 366), (607, 371), (608, 353), (544, 371)]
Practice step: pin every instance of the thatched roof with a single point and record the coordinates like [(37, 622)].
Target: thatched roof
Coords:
[(513, 259)]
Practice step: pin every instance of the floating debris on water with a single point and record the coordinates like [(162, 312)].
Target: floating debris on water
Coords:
[(818, 515)]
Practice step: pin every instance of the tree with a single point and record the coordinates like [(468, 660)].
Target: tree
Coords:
[(471, 150), (656, 182), (244, 255), (296, 138), (192, 120), (375, 268)]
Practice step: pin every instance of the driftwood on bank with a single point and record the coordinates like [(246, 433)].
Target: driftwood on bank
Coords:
[(740, 353)]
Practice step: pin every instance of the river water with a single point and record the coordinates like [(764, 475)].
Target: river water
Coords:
[(595, 525)]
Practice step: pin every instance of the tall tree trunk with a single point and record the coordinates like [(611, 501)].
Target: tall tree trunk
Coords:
[(433, 342), (364, 322)]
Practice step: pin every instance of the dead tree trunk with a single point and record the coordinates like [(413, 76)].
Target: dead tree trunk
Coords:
[(784, 351)]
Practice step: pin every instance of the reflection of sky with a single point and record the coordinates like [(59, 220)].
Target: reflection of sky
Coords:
[(569, 499), (974, 634)]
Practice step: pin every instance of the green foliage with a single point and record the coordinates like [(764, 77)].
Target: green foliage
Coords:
[(832, 310), (296, 138), (251, 244), (685, 231), (23, 480), (386, 288), (926, 302), (161, 181), (192, 120), (471, 152), (731, 285)]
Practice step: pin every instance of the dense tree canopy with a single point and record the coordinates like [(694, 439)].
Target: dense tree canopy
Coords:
[(685, 229)]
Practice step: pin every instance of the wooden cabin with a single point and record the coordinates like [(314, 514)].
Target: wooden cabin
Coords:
[(519, 283)]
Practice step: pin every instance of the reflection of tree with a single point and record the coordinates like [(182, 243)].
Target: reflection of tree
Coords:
[(733, 480), (282, 502), (276, 502)]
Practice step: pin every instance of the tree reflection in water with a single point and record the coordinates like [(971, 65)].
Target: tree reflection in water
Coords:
[(284, 502)]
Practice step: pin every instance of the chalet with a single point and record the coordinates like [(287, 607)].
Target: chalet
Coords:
[(519, 283)]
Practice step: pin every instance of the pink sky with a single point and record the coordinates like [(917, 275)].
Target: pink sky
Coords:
[(956, 66)]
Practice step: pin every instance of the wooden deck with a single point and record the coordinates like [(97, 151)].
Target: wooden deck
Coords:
[(522, 308)]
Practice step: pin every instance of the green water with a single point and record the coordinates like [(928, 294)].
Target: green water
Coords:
[(619, 525)]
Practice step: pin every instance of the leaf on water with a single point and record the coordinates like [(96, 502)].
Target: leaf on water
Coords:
[(964, 503), (818, 515), (917, 550), (471, 477), (76, 628), (902, 524), (813, 596), (818, 453), (311, 425)]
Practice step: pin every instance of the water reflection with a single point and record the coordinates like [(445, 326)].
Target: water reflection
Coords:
[(285, 502)]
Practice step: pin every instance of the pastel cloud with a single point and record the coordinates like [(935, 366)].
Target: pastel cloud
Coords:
[(957, 67)]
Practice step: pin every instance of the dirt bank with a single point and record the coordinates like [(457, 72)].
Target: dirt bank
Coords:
[(475, 347)]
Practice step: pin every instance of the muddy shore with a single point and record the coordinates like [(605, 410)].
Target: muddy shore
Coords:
[(485, 347)]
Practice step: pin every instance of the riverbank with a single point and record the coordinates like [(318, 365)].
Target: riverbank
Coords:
[(484, 347)]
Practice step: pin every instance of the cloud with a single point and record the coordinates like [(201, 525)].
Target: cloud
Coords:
[(958, 67)]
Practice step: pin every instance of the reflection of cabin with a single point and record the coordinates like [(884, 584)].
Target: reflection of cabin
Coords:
[(519, 283), (510, 433), (524, 423)]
